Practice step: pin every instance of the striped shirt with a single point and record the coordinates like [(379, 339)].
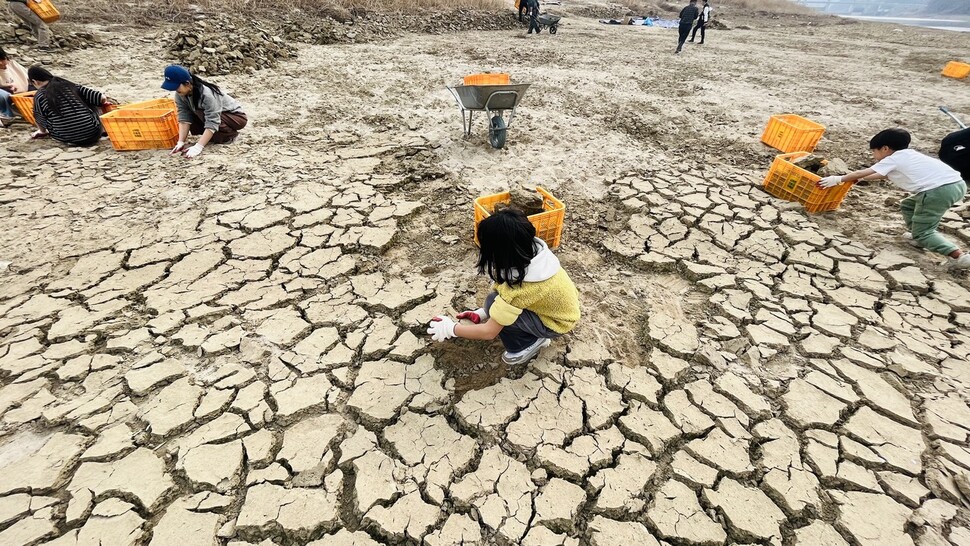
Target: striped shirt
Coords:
[(77, 123)]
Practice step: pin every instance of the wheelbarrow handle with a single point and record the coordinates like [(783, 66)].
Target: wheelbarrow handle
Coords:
[(956, 119), (488, 101)]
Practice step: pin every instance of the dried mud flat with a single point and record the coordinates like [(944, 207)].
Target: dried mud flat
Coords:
[(229, 351)]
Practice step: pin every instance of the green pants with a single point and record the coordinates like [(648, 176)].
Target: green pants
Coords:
[(922, 213)]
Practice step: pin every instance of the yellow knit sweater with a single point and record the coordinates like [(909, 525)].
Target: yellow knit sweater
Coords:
[(548, 292)]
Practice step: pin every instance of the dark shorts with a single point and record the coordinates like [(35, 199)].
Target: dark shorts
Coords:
[(524, 331)]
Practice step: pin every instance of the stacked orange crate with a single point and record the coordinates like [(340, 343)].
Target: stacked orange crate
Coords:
[(548, 224)]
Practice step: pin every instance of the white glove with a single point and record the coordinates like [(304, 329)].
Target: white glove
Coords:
[(178, 147), (441, 328), (830, 181), (194, 151)]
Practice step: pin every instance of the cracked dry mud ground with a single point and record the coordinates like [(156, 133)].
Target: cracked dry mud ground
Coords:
[(230, 351)]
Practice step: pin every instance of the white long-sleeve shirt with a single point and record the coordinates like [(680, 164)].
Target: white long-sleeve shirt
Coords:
[(14, 75), (706, 14)]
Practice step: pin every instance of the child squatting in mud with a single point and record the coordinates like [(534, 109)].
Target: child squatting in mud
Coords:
[(534, 300), (934, 185)]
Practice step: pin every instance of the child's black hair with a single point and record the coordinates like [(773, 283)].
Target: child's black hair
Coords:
[(507, 240), (896, 139), (3, 55)]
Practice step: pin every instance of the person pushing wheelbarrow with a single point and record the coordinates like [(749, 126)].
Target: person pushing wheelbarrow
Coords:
[(532, 8)]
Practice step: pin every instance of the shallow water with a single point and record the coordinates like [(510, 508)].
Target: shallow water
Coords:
[(957, 25)]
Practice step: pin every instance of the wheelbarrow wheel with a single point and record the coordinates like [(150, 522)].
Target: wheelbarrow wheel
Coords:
[(496, 132), (553, 29)]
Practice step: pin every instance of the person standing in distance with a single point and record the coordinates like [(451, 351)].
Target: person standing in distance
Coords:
[(702, 21), (40, 29), (532, 7), (687, 17)]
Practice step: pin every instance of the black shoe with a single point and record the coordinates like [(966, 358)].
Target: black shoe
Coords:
[(692, 41), (700, 43)]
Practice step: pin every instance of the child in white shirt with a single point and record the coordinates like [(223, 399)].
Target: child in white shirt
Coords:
[(934, 185)]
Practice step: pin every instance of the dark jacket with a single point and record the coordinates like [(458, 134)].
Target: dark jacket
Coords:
[(688, 14)]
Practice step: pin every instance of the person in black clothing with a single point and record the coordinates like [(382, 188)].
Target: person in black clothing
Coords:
[(702, 21), (66, 111), (687, 17), (533, 9), (523, 6)]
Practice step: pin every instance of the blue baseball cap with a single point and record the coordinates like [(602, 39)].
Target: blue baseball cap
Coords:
[(175, 76)]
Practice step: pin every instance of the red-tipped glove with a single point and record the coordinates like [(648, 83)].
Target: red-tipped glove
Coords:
[(476, 316), (441, 328)]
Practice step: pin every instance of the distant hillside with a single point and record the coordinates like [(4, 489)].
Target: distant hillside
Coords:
[(948, 7)]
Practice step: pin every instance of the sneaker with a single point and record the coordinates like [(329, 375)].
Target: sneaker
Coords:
[(908, 238), (956, 264), (6, 121), (527, 354)]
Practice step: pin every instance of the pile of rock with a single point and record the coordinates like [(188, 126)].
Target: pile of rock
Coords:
[(325, 31), (821, 166), (716, 24), (63, 39), (218, 46), (458, 20), (367, 27)]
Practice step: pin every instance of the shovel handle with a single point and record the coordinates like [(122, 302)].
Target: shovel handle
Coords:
[(956, 119)]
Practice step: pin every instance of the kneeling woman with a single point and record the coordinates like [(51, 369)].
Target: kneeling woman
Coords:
[(66, 111), (203, 109)]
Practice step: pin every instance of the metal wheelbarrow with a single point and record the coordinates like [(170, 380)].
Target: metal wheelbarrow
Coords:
[(549, 21), (495, 101)]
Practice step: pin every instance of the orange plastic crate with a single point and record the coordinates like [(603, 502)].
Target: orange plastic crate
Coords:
[(790, 133), (790, 182), (24, 102), (44, 9), (548, 224), (166, 103), (132, 129), (487, 79), (956, 69)]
